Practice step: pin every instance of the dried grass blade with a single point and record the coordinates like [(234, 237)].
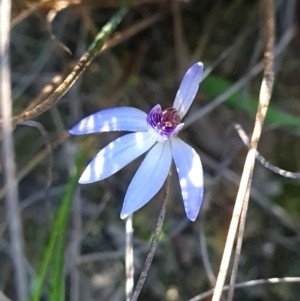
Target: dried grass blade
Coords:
[(245, 184), (81, 66)]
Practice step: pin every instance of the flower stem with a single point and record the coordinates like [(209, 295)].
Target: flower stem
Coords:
[(154, 242)]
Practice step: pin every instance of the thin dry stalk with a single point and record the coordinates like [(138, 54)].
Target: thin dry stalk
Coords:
[(45, 135), (245, 184), (271, 209), (155, 239), (263, 161), (129, 265), (3, 297), (132, 30), (238, 85), (207, 32), (11, 198), (58, 5), (249, 283), (204, 256), (80, 67), (54, 91), (46, 91), (269, 27), (178, 38), (238, 247), (30, 165)]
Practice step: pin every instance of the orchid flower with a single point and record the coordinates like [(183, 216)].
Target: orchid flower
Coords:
[(156, 132)]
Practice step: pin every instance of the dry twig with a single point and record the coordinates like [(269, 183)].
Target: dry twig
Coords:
[(249, 284), (30, 165), (263, 161), (238, 85), (80, 67), (245, 184), (55, 91), (12, 204), (129, 265)]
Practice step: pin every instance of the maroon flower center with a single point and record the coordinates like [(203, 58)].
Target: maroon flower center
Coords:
[(164, 122)]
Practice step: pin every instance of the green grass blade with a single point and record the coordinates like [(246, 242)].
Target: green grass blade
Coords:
[(61, 224), (213, 86), (55, 247)]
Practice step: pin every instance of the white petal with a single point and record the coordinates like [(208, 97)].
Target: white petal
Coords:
[(190, 174), (113, 119), (148, 179), (116, 155), (188, 89)]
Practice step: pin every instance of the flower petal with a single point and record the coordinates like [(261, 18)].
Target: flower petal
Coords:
[(190, 174), (113, 119), (148, 179), (188, 89), (116, 155)]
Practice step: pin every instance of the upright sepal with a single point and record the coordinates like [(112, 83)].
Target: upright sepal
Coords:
[(188, 89)]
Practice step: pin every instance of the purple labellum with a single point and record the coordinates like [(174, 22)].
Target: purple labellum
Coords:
[(166, 122)]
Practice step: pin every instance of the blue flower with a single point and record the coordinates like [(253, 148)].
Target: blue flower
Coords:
[(156, 132)]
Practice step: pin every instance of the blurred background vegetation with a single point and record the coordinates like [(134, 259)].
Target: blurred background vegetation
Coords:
[(141, 69)]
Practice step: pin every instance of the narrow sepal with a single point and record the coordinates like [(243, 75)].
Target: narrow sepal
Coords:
[(113, 119), (148, 179), (190, 174), (116, 155)]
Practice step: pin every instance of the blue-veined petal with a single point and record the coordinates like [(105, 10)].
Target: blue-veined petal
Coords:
[(116, 155), (188, 89), (190, 174), (148, 179), (114, 119)]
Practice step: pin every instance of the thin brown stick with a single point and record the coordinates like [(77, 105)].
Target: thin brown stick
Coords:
[(45, 135), (62, 4), (249, 284), (207, 32), (263, 161), (246, 179), (155, 239), (238, 85), (204, 256), (129, 260), (80, 67), (12, 203), (36, 160), (238, 248), (57, 80), (178, 38), (3, 297), (131, 31), (46, 91), (269, 33), (53, 92)]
